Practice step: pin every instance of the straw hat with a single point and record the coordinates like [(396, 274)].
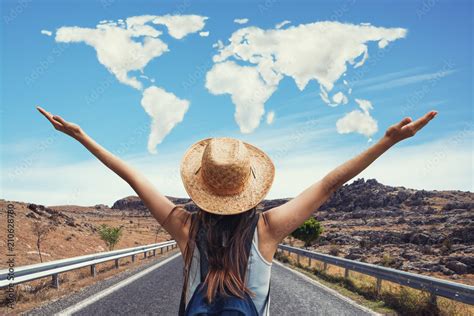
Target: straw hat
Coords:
[(225, 175)]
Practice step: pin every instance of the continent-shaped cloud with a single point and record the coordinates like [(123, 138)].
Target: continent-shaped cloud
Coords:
[(358, 121), (166, 110), (129, 45), (118, 46), (248, 91), (320, 51)]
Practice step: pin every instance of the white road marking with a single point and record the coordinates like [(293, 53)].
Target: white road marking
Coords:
[(94, 298), (331, 291)]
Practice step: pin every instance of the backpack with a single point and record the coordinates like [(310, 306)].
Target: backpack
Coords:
[(224, 306)]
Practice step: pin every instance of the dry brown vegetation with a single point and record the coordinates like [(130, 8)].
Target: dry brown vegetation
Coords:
[(72, 233), (393, 299)]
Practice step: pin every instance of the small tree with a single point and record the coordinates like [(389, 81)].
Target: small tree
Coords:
[(110, 235), (309, 231), (41, 230)]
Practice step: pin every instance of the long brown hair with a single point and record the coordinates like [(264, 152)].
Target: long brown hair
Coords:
[(225, 240)]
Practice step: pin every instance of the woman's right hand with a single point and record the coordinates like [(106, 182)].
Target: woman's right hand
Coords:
[(407, 128), (61, 125)]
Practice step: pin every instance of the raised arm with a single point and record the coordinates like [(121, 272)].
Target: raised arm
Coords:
[(159, 205), (284, 219)]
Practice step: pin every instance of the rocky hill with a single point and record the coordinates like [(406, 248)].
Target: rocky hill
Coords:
[(413, 230), (134, 205), (420, 231)]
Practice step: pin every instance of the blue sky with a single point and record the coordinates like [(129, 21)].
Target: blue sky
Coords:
[(429, 68)]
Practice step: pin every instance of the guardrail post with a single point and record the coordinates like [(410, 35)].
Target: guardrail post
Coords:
[(55, 281), (325, 266), (167, 249), (309, 262), (298, 258), (346, 273), (433, 299), (161, 250), (133, 258), (144, 255), (116, 263), (93, 271), (378, 286), (154, 252)]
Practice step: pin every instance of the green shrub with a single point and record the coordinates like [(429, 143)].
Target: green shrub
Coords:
[(387, 260), (110, 235), (309, 231)]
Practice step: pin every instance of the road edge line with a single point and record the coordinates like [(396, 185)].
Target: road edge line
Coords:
[(94, 298), (328, 289)]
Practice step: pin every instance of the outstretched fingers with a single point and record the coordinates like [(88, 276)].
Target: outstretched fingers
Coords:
[(403, 122), (49, 116), (421, 122), (59, 119), (44, 112)]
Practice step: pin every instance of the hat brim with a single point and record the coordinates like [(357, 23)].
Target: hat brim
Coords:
[(253, 193)]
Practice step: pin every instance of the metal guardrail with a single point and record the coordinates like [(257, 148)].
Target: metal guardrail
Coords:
[(9, 277), (436, 287)]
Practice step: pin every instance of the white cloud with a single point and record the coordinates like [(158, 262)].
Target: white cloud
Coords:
[(241, 21), (270, 117), (204, 34), (339, 98), (218, 45), (181, 25), (46, 32), (124, 46), (365, 105), (116, 45), (318, 51), (383, 43), (166, 110), (116, 49), (281, 24), (357, 121), (248, 91)]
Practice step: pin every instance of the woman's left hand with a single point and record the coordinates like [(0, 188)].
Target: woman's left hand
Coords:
[(406, 128)]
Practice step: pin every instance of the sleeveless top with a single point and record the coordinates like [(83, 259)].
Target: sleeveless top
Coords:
[(258, 276)]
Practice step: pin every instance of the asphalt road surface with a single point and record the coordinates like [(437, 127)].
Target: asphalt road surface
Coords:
[(157, 292)]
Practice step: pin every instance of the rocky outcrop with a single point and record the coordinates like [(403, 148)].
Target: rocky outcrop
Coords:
[(134, 205), (418, 230), (56, 217), (129, 203)]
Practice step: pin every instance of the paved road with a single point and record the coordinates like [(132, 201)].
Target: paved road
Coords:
[(158, 292)]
